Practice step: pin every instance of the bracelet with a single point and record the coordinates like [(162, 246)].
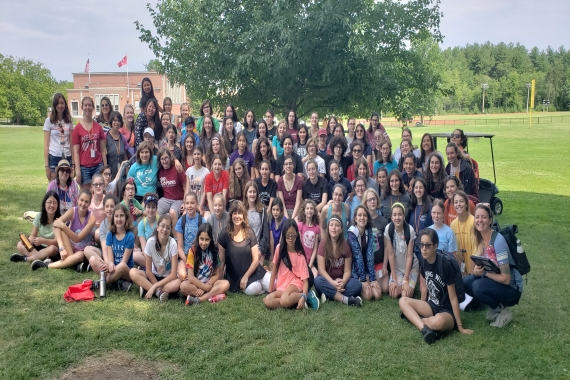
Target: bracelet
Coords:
[(304, 296), (405, 282), (61, 249)]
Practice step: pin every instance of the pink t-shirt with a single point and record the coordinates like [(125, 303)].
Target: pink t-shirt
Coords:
[(285, 277), (98, 211), (308, 238), (88, 142)]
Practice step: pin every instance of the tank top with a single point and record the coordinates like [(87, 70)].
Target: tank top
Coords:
[(342, 215), (76, 226), (276, 231)]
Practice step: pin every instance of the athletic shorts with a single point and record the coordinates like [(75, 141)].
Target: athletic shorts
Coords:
[(438, 309)]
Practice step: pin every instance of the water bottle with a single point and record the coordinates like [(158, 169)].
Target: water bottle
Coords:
[(520, 248), (103, 284)]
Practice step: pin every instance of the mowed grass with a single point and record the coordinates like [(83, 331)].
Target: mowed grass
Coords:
[(41, 335)]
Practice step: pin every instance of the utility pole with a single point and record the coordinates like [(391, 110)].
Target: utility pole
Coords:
[(528, 86), (484, 86)]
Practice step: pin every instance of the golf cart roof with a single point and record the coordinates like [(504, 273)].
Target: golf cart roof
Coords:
[(468, 134)]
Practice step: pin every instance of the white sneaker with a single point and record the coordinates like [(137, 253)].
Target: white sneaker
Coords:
[(492, 314), (503, 318), (323, 298)]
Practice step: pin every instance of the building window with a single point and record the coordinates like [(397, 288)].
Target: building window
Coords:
[(114, 101), (74, 108)]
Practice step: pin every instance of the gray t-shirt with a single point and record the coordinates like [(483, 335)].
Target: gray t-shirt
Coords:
[(103, 228), (218, 225), (254, 219)]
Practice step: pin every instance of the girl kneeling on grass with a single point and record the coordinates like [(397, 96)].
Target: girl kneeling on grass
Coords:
[(42, 236), (117, 258), (438, 310), (74, 239), (335, 267), (203, 264), (161, 255), (289, 283)]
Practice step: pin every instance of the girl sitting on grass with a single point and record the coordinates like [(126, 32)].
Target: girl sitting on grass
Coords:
[(74, 239), (203, 265), (117, 258), (289, 283), (310, 230), (42, 237), (109, 203), (161, 255)]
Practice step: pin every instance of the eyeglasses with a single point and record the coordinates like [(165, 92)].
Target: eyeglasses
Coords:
[(104, 105), (359, 131), (288, 163), (98, 184), (107, 174), (165, 158), (205, 107), (291, 236), (338, 147), (456, 135), (357, 151), (426, 245), (369, 200), (165, 227), (51, 203)]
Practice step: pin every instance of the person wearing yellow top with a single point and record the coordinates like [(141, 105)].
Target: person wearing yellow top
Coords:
[(464, 234)]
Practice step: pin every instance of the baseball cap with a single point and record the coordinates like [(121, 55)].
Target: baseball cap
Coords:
[(150, 131), (322, 132)]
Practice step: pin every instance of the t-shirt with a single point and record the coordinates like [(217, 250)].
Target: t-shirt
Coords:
[(161, 264), (293, 276), (68, 197), (145, 228), (500, 254), (190, 230), (197, 178), (308, 237), (271, 132), (337, 268), (119, 247), (103, 229), (266, 192), (293, 133), (145, 176), (206, 268), (290, 196), (254, 219), (250, 135), (446, 238), (418, 220), (321, 167), (391, 199), (277, 144), (315, 191), (172, 183), (436, 282), (57, 145), (238, 259), (214, 186), (300, 149), (297, 164), (88, 142), (406, 177), (247, 156), (465, 238), (46, 231), (218, 225), (400, 248)]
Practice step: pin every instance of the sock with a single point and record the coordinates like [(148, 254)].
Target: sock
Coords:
[(157, 293), (345, 300)]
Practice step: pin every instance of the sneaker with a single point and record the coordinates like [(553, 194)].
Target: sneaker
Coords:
[(37, 264), (163, 297), (492, 314), (217, 298), (47, 261), (323, 298), (312, 300), (429, 335), (192, 300), (355, 301), (16, 258), (95, 285), (89, 269), (503, 318), (126, 286), (79, 267), (142, 292)]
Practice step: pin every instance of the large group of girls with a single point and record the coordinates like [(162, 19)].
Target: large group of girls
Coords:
[(307, 213)]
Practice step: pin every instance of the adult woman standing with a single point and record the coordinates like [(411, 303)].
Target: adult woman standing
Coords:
[(464, 234), (206, 110), (148, 119), (104, 117), (57, 135), (374, 125), (461, 168), (128, 128), (435, 177), (290, 188), (239, 254), (89, 148), (496, 290), (117, 146), (65, 187)]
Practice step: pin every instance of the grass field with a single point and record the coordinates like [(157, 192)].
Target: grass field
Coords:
[(41, 335)]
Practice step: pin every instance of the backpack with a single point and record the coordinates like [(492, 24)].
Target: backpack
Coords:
[(406, 232), (459, 289), (80, 292), (521, 261), (200, 221)]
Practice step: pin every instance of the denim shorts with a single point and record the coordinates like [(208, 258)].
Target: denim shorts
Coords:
[(88, 173), (54, 160)]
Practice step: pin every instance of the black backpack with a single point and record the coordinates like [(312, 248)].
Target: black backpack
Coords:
[(406, 232), (509, 233), (459, 289)]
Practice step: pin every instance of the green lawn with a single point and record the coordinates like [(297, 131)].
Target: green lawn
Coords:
[(41, 335)]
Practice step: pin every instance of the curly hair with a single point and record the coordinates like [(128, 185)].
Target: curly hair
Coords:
[(303, 218), (339, 140)]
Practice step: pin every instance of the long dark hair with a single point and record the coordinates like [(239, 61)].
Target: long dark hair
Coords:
[(435, 182), (44, 214), (155, 118), (234, 115), (303, 126), (426, 199), (66, 113), (423, 152), (283, 253), (258, 159), (295, 122), (331, 255), (101, 116), (144, 96), (253, 123), (370, 125), (198, 254)]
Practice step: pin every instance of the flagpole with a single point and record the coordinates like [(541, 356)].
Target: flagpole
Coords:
[(128, 88), (89, 72)]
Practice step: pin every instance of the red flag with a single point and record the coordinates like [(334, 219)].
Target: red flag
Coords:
[(123, 61), (87, 68)]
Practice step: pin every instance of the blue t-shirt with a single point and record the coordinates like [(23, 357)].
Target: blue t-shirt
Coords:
[(277, 144), (145, 176), (447, 242), (389, 166), (190, 230), (119, 246), (145, 228)]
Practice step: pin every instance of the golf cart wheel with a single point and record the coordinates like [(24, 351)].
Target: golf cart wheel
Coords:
[(497, 206)]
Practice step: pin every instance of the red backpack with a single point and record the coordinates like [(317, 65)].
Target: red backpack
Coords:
[(80, 292)]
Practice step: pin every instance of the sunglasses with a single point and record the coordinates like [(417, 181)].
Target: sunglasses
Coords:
[(68, 171), (456, 135), (426, 245), (357, 151)]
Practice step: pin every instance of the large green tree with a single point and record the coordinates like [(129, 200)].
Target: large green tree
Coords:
[(330, 56)]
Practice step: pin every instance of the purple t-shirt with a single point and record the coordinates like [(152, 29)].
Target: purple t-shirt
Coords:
[(247, 156)]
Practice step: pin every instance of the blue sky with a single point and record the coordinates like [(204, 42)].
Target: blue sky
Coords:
[(62, 34)]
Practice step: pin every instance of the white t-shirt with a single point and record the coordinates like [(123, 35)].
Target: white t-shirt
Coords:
[(321, 167), (161, 265), (55, 137), (401, 248), (197, 178), (398, 153)]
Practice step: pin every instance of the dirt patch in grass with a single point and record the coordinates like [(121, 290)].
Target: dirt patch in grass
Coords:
[(114, 365)]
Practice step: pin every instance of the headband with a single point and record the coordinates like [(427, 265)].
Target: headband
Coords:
[(334, 218), (399, 204)]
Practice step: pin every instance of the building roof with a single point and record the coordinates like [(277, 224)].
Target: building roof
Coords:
[(116, 73)]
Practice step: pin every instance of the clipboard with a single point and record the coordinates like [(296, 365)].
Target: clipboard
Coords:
[(486, 263)]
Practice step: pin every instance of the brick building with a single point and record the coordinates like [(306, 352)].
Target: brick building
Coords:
[(114, 86)]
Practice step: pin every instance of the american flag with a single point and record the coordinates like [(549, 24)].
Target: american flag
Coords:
[(87, 68)]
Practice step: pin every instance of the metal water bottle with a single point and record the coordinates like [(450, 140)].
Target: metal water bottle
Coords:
[(520, 248), (103, 284)]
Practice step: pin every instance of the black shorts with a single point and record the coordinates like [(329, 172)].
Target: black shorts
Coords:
[(438, 309)]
